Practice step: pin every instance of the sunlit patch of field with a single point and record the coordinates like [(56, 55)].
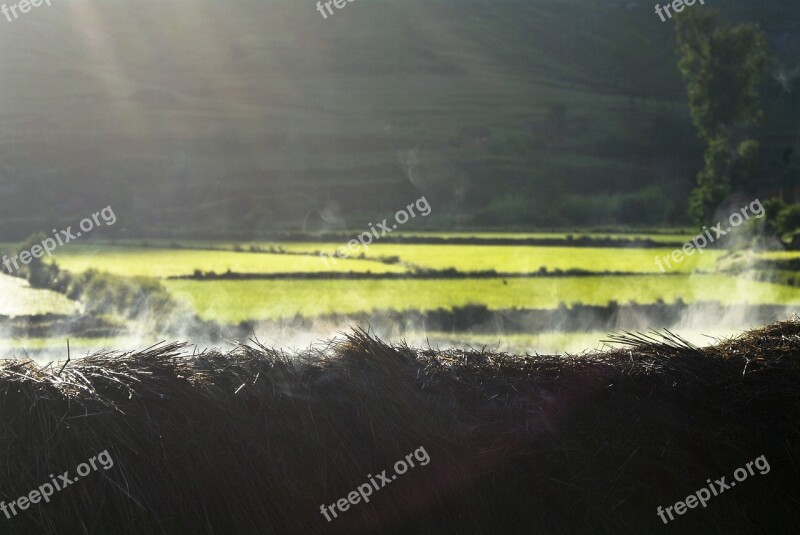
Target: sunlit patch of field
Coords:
[(505, 258), (234, 301), (166, 262), (778, 255), (528, 259), (17, 298), (129, 261)]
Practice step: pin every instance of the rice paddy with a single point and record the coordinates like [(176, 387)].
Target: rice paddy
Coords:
[(528, 259), (235, 301), (619, 275), (516, 259), (162, 263)]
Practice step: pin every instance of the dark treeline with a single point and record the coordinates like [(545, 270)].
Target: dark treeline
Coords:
[(423, 274)]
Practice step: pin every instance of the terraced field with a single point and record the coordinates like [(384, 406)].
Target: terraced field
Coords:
[(234, 301), (162, 263), (519, 259)]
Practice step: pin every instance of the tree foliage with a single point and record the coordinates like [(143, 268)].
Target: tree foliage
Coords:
[(713, 181), (723, 68)]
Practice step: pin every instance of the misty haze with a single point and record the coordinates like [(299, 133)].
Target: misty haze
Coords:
[(255, 234)]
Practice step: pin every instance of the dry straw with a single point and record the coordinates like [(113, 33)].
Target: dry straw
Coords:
[(252, 441)]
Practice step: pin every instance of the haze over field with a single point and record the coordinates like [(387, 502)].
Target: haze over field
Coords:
[(533, 263), (241, 144)]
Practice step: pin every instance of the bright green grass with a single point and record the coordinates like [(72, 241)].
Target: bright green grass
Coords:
[(17, 298), (779, 255), (235, 301), (130, 261), (514, 259)]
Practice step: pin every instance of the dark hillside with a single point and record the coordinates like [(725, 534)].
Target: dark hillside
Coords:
[(179, 115)]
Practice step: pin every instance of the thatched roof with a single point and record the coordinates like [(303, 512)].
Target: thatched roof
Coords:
[(255, 440)]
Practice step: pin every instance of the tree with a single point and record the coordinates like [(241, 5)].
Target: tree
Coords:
[(723, 69)]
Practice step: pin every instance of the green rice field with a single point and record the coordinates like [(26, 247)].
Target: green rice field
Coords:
[(697, 279), (513, 259), (529, 259), (162, 263), (234, 301), (779, 255), (238, 300)]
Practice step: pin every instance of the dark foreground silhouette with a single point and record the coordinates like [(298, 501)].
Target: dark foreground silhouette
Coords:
[(255, 440)]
